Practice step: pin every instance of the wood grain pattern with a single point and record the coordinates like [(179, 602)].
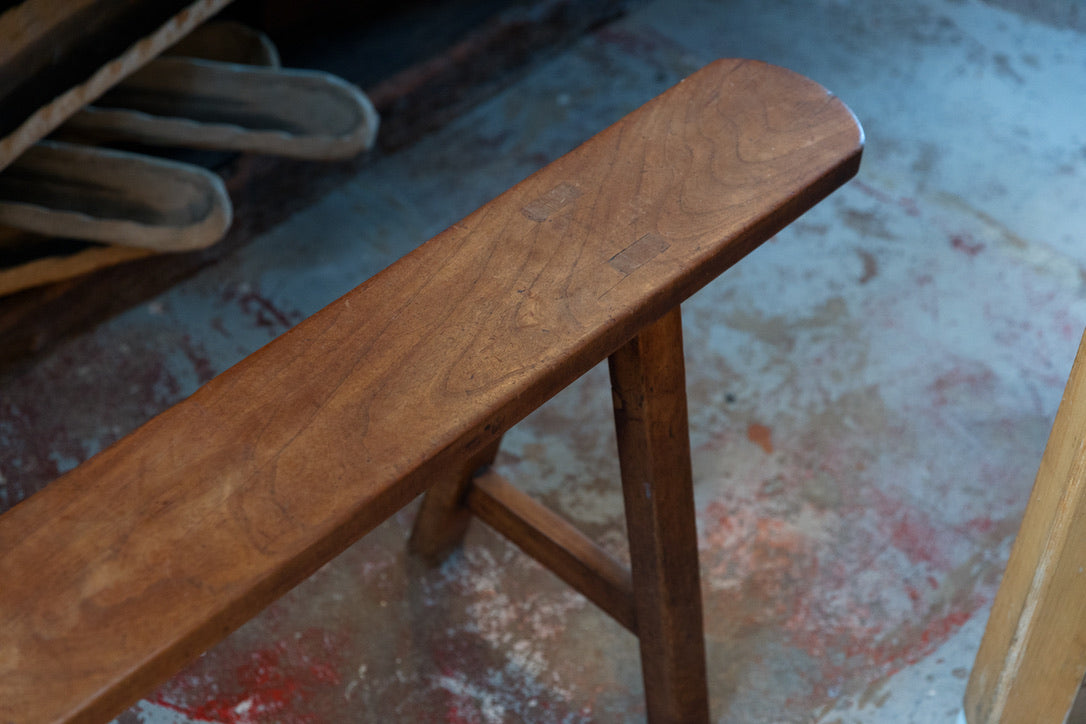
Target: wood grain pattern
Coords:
[(648, 380), (131, 564), (1033, 655)]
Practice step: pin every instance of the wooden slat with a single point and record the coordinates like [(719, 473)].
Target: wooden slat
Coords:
[(649, 384), (56, 56), (554, 542), (1033, 655), (127, 567)]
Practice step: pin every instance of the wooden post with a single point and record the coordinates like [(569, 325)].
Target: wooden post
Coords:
[(649, 387), (1033, 654), (444, 516)]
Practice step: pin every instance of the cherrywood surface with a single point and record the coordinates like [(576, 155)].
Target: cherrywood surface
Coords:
[(1032, 658), (124, 569), (648, 381)]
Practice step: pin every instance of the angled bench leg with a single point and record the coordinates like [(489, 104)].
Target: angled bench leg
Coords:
[(444, 516), (647, 378), (660, 598), (1033, 655)]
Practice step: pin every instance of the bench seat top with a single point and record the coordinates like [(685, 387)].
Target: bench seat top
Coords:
[(124, 569)]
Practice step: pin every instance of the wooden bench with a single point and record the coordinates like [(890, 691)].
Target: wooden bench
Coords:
[(129, 566)]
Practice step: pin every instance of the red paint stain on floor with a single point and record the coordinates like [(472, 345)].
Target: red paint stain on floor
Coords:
[(201, 363), (917, 539), (870, 265), (983, 524), (51, 416), (268, 685), (863, 605), (263, 312), (909, 206), (939, 631), (762, 436), (965, 244), (453, 716), (963, 382), (873, 192), (641, 43)]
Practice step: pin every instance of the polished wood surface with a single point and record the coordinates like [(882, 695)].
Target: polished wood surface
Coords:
[(129, 566), (1033, 655)]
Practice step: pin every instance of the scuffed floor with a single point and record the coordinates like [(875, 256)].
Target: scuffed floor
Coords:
[(870, 392)]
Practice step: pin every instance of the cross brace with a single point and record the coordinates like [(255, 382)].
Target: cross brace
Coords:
[(659, 598)]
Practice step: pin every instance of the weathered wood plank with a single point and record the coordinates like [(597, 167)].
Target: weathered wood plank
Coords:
[(1033, 655), (56, 56)]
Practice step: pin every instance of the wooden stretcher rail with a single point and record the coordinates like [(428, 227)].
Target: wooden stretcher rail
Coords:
[(127, 567), (564, 549)]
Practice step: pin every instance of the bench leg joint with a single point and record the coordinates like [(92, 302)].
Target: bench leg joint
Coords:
[(443, 517)]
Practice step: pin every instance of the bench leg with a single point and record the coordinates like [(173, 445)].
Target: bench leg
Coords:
[(443, 517), (1033, 655), (649, 388)]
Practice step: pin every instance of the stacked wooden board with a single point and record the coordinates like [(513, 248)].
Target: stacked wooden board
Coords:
[(164, 79)]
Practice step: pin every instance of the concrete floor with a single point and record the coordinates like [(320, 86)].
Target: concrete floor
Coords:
[(870, 392)]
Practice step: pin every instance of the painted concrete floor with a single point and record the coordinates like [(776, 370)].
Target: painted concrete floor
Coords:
[(870, 392)]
